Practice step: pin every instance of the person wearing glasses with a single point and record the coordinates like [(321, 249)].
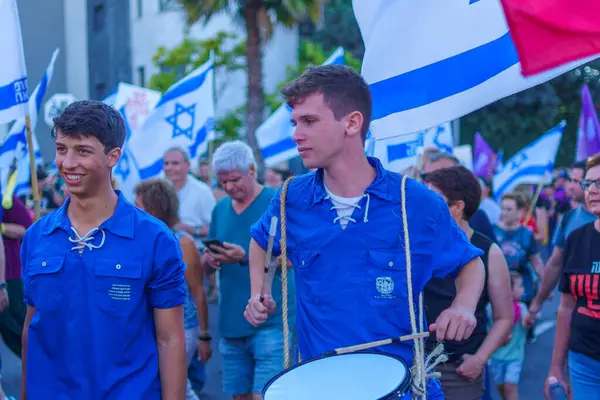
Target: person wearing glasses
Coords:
[(577, 338)]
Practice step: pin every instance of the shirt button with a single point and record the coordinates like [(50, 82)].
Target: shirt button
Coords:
[(118, 266), (43, 263), (391, 263), (302, 262)]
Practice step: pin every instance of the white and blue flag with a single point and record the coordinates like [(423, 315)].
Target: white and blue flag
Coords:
[(135, 104), (184, 117), (400, 152), (274, 135), (14, 148), (14, 93), (533, 164), (428, 62)]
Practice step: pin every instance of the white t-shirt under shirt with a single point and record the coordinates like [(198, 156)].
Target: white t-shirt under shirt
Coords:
[(344, 206), (196, 203)]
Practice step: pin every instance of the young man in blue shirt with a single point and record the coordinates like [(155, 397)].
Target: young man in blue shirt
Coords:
[(103, 280), (345, 237)]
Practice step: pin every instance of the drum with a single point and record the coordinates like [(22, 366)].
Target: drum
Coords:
[(351, 376)]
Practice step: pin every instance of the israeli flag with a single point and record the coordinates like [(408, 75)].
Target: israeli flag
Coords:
[(533, 164), (274, 135), (183, 117), (126, 172), (14, 93), (14, 148), (428, 62), (134, 103), (401, 152)]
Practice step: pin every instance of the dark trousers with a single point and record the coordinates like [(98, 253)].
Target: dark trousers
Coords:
[(12, 317)]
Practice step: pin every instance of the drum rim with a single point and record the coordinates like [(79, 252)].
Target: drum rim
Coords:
[(401, 389)]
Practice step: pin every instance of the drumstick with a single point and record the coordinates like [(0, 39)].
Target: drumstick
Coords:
[(269, 272), (364, 346)]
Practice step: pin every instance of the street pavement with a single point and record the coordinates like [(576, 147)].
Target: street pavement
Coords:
[(534, 372)]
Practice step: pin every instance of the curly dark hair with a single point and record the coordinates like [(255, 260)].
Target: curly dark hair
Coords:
[(457, 184), (92, 118), (343, 89), (160, 200)]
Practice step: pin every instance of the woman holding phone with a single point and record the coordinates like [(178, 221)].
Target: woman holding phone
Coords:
[(159, 198)]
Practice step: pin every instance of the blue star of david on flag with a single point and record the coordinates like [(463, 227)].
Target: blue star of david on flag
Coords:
[(174, 120)]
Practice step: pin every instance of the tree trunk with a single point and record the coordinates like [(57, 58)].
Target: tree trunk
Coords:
[(256, 99)]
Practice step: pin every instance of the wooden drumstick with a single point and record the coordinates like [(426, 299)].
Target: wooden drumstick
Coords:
[(269, 272), (364, 346)]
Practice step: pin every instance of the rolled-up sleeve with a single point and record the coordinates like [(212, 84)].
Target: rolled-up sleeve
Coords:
[(453, 248), (260, 230), (167, 283)]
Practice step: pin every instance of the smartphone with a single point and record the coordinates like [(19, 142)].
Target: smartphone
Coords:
[(210, 242)]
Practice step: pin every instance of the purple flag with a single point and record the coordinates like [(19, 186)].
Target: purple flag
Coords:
[(484, 158), (588, 134)]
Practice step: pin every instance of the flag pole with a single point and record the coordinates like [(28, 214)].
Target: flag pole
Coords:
[(210, 142), (536, 196), (34, 181)]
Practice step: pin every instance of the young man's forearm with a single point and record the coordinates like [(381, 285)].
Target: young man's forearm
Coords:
[(257, 267), (24, 342), (469, 284), (172, 367), (170, 341)]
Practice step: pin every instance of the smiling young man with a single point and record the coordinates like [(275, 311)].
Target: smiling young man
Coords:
[(344, 232), (103, 280)]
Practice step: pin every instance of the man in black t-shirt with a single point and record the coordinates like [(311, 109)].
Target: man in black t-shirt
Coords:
[(578, 322)]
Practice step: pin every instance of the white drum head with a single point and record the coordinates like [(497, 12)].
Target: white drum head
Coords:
[(355, 376)]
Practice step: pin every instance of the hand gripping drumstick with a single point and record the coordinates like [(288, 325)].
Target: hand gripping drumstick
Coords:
[(364, 346), (269, 272)]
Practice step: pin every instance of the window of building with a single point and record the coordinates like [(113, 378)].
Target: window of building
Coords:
[(100, 90), (168, 5), (99, 17), (141, 76), (140, 8)]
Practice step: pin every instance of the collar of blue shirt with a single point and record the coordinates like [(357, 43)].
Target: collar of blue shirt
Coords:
[(121, 223), (380, 186)]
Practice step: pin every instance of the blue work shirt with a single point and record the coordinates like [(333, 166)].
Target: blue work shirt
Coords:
[(93, 335), (351, 283)]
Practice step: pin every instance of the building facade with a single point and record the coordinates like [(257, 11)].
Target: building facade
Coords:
[(104, 42)]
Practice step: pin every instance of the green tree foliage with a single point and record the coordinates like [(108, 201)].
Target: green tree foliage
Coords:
[(259, 18), (309, 54), (515, 121), (229, 52)]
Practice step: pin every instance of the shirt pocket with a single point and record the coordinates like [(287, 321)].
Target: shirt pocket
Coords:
[(386, 278), (118, 286), (45, 286), (308, 279)]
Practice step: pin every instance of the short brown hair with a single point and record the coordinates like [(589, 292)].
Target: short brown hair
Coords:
[(517, 198), (343, 89), (457, 184), (592, 161), (160, 200)]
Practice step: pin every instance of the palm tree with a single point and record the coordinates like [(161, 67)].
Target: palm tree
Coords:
[(259, 18)]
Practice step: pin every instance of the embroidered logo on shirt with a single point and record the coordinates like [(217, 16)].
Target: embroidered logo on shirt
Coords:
[(119, 291), (385, 286)]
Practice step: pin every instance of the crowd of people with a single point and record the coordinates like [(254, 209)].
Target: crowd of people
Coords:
[(116, 302)]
